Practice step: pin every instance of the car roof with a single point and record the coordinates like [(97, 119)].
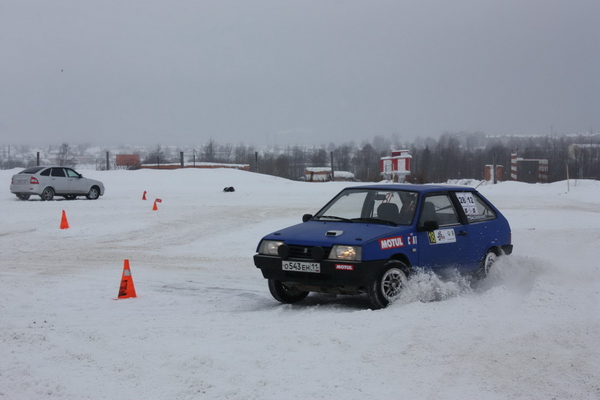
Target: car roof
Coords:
[(48, 166), (37, 168), (415, 188)]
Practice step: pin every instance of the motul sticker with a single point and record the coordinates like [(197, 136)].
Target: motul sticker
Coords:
[(391, 243), (344, 267), (441, 236)]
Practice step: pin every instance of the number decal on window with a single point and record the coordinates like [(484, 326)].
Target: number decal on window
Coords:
[(467, 202)]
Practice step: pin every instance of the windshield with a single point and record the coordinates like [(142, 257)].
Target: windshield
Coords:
[(391, 207)]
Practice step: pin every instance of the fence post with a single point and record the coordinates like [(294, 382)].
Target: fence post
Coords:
[(332, 171)]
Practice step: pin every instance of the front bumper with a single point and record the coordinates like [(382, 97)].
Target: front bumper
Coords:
[(335, 276)]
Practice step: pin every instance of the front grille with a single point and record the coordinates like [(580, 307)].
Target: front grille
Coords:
[(305, 252)]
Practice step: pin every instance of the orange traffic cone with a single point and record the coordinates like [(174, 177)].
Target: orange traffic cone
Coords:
[(144, 196), (64, 224), (127, 289), (154, 207)]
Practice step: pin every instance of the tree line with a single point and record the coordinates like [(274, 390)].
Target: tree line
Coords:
[(452, 156)]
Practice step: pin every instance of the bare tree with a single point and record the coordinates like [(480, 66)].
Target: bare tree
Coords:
[(65, 156), (225, 153), (209, 152), (319, 158), (155, 157), (342, 157)]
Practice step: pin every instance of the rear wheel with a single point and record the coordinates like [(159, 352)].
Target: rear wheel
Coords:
[(93, 194), (487, 262), (285, 294), (388, 286), (23, 196), (47, 194)]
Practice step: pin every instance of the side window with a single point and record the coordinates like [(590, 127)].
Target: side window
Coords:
[(58, 172), (438, 208), (71, 173), (474, 207), (45, 172)]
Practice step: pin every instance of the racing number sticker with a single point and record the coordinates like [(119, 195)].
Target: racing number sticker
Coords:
[(441, 236), (467, 202), (431, 237)]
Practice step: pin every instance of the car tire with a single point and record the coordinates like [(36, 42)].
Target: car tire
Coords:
[(386, 288), (47, 194), (23, 196), (486, 263), (93, 194), (285, 294)]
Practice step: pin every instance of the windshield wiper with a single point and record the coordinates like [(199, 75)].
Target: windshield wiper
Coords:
[(334, 217), (375, 220)]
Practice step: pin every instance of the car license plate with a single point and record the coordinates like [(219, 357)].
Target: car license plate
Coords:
[(301, 266)]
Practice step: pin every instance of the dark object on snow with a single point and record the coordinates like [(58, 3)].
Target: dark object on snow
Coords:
[(229, 189)]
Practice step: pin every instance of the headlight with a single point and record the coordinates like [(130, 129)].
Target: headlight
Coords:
[(269, 247), (347, 253)]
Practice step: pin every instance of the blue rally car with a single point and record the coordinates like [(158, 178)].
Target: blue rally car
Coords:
[(368, 239)]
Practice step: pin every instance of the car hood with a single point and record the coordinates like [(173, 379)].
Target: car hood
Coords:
[(327, 233)]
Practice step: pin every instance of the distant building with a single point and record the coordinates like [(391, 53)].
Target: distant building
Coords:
[(397, 166), (582, 151), (584, 159), (528, 170), (323, 174), (128, 160), (489, 174)]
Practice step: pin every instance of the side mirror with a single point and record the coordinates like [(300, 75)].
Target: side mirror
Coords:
[(430, 225), (306, 217)]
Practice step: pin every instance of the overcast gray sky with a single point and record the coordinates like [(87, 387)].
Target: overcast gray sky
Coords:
[(294, 72)]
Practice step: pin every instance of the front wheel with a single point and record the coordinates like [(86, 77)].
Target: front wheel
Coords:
[(93, 194), (388, 286), (47, 194), (285, 294)]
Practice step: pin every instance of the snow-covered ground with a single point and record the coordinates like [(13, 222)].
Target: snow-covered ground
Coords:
[(205, 326)]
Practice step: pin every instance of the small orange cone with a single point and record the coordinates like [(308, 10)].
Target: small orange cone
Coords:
[(64, 224), (144, 196), (154, 207), (127, 289)]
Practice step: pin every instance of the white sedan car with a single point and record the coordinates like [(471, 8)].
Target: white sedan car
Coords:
[(50, 180)]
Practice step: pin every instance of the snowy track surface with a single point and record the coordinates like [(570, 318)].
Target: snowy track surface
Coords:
[(204, 325)]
